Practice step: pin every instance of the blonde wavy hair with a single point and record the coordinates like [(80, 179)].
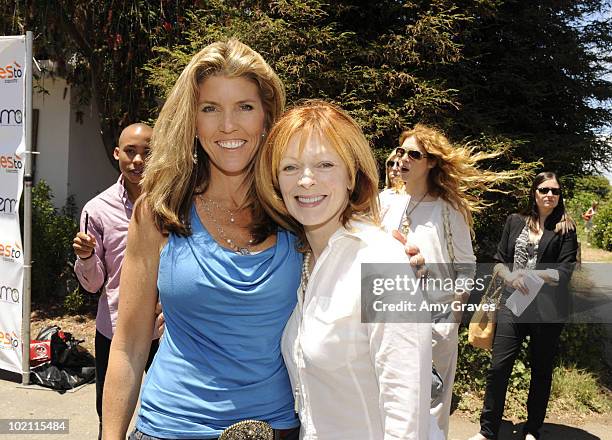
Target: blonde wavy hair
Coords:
[(344, 135), (171, 177), (455, 174)]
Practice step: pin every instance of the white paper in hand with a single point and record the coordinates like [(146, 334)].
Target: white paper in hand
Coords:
[(518, 302)]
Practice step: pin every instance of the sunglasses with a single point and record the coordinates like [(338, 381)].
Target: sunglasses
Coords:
[(393, 163), (544, 191), (415, 154), (400, 151)]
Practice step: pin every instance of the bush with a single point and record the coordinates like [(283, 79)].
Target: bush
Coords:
[(578, 204), (74, 301), (598, 185), (474, 363), (602, 227), (52, 234)]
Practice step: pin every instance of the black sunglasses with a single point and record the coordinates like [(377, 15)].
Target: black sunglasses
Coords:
[(545, 190), (415, 154), (400, 151), (392, 163)]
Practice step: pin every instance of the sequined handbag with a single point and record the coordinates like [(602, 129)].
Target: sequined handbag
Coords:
[(248, 430)]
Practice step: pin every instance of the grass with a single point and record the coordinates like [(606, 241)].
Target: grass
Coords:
[(577, 391), (575, 394)]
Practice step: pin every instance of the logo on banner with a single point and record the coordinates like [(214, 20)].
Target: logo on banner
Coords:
[(8, 340), (9, 294), (11, 164), (8, 205), (11, 116), (11, 72), (10, 253)]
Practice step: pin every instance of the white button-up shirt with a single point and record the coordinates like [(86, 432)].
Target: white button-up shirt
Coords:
[(354, 380)]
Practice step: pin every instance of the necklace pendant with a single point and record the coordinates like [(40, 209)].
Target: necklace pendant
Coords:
[(244, 251), (405, 229)]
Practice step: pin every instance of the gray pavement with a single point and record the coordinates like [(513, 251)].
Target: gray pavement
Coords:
[(18, 402)]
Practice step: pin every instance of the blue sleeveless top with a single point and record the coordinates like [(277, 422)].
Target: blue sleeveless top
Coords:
[(219, 361)]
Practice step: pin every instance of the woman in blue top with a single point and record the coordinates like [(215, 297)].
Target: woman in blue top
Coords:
[(226, 276)]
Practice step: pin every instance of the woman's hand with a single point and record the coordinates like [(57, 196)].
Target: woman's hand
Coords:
[(414, 254), (516, 280), (547, 276)]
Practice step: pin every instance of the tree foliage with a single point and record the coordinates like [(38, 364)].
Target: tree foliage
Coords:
[(535, 72), (100, 48), (596, 184), (527, 78), (382, 62)]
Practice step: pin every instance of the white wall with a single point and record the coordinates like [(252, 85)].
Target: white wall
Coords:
[(89, 170), (52, 140), (72, 158)]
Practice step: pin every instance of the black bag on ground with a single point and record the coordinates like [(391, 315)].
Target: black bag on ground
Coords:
[(70, 366)]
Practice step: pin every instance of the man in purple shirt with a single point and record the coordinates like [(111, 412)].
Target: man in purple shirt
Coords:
[(100, 251)]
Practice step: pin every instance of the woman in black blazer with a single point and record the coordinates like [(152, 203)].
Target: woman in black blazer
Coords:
[(542, 242)]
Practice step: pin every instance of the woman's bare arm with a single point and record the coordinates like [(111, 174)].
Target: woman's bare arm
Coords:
[(132, 338)]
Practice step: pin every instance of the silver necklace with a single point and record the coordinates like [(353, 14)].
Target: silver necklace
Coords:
[(406, 220), (216, 205), (207, 204)]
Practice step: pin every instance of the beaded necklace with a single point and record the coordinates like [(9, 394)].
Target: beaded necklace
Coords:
[(305, 272)]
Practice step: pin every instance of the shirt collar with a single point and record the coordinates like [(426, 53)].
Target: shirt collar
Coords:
[(123, 193), (357, 228)]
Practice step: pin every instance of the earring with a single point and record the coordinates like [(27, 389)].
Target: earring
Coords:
[(195, 151), (263, 134)]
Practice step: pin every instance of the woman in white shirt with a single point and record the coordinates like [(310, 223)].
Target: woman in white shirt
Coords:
[(352, 380), (436, 216)]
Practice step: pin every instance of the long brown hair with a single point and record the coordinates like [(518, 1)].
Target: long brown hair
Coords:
[(557, 217), (455, 172)]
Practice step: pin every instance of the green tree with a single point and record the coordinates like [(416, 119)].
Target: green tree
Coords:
[(100, 48), (384, 63), (534, 71), (523, 77), (595, 184)]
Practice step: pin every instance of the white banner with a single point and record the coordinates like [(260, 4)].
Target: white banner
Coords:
[(12, 164)]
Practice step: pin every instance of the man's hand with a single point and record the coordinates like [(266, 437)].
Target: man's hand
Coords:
[(160, 322), (83, 245)]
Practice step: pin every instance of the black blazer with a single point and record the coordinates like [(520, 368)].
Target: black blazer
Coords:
[(555, 251)]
